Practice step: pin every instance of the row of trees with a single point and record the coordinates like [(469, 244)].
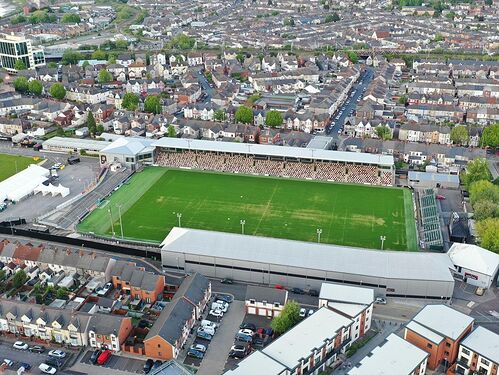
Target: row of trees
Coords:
[(152, 103), (484, 197), (244, 115), (22, 85)]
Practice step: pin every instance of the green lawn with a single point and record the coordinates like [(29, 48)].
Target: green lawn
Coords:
[(352, 215), (11, 164)]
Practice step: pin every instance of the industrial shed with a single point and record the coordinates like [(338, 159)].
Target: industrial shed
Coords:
[(272, 261)]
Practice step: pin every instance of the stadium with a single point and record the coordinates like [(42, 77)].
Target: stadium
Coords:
[(273, 191)]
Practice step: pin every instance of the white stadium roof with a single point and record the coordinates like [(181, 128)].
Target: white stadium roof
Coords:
[(309, 255), (474, 258), (277, 151), (77, 143), (128, 146)]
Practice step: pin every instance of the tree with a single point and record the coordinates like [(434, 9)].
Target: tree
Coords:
[(111, 59), (483, 190), (384, 132), (289, 316), (240, 57), (60, 131), (70, 57), (273, 119), (244, 115), (91, 125), (19, 279), (19, 65), (219, 115), (3, 275), (490, 136), (21, 84), (485, 209), (488, 2), (181, 41), (71, 18), (100, 129), (104, 76), (487, 233), (403, 100), (62, 293), (152, 104), (353, 57), (289, 22), (35, 87), (459, 135), (121, 44), (171, 131), (99, 54), (57, 91), (130, 101), (52, 65), (476, 170), (334, 17)]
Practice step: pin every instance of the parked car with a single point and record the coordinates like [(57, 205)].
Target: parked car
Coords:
[(216, 313), (8, 362), (148, 366), (238, 351), (105, 289), (54, 362), (313, 292), (269, 331), (248, 332), (219, 305), (25, 366), (204, 335), (225, 297), (260, 331), (95, 355), (19, 345), (248, 326), (46, 369), (440, 197), (240, 355), (195, 353), (208, 330), (199, 347), (104, 357), (303, 312), (209, 323), (156, 364), (297, 291), (37, 349), (243, 337), (279, 286), (227, 281), (380, 301), (57, 354), (310, 312)]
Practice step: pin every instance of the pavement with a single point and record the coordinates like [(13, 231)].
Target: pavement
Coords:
[(218, 351)]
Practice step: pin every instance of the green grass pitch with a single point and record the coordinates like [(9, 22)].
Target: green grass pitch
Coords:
[(11, 164), (351, 215)]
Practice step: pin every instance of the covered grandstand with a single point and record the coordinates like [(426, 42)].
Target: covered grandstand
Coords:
[(430, 220), (276, 161), (23, 183)]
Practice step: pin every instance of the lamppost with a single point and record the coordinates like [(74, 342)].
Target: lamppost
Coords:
[(111, 220), (121, 222), (382, 238), (319, 232), (179, 216), (242, 222)]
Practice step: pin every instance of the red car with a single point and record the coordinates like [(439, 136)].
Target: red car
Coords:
[(104, 357), (279, 286), (440, 197)]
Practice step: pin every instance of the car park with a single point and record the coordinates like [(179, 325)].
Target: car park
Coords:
[(195, 353), (46, 369), (208, 330), (380, 301), (216, 313), (199, 347), (303, 312), (95, 355), (37, 349), (19, 345), (104, 357), (57, 354), (148, 366), (204, 335)]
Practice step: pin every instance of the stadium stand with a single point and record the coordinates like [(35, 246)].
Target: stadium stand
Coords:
[(430, 222), (275, 161)]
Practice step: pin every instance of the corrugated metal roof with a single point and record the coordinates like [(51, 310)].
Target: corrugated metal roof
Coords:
[(309, 255), (89, 144), (271, 150)]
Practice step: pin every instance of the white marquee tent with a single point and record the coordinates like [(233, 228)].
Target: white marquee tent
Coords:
[(51, 189), (23, 183)]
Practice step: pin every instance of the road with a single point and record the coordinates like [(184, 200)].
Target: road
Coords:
[(350, 104), (205, 85)]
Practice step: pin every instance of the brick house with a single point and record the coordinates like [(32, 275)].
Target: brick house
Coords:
[(109, 331), (265, 301), (438, 330)]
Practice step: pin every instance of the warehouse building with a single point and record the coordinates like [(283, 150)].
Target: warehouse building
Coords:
[(271, 261), (433, 180), (74, 145)]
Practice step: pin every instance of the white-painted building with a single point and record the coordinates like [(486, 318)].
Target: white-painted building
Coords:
[(474, 264), (265, 301), (479, 353), (352, 301)]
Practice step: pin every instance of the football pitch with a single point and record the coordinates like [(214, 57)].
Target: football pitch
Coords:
[(350, 215), (11, 164)]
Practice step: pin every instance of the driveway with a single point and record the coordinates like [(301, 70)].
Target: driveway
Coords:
[(216, 355)]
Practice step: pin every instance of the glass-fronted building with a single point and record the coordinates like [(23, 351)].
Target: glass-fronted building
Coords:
[(16, 47)]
